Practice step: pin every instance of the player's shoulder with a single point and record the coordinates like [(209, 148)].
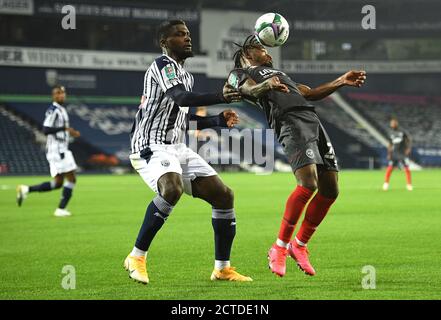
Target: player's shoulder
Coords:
[(51, 108), (405, 133), (236, 72), (253, 70), (236, 77), (400, 132), (163, 61)]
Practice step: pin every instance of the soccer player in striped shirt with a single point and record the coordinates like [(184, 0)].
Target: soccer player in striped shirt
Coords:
[(166, 164), (61, 161)]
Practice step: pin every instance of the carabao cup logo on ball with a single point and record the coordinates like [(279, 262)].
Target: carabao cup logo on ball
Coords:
[(271, 29)]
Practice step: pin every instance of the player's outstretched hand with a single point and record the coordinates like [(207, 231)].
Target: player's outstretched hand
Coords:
[(73, 133), (275, 84), (230, 93), (354, 78), (231, 118)]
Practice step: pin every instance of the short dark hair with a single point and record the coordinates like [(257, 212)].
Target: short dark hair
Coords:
[(166, 27), (58, 86)]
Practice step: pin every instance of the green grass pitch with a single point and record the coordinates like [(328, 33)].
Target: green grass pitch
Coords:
[(398, 232)]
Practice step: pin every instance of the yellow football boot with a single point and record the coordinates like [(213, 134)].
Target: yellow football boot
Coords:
[(137, 268), (228, 273)]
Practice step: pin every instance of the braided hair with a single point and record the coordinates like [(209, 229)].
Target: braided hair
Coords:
[(250, 42)]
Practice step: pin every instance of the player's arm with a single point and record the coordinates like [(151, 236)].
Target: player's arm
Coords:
[(225, 119), (48, 125), (351, 78), (165, 74), (53, 130), (252, 89), (408, 145), (182, 97), (389, 151)]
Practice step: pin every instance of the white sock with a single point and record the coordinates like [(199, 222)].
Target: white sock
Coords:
[(138, 253), (282, 244), (219, 264), (300, 243)]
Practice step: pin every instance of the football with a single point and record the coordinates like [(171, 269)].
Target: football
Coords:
[(271, 29)]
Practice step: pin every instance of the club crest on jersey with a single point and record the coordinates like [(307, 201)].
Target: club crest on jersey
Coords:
[(165, 163), (310, 153), (169, 72)]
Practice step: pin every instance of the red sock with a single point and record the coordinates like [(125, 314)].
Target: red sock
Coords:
[(388, 173), (408, 178), (294, 207), (315, 213)]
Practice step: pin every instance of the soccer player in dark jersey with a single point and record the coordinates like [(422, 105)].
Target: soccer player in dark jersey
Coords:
[(306, 144), (398, 152)]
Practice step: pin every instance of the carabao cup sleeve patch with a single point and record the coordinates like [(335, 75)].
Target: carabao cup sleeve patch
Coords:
[(233, 80), (169, 72)]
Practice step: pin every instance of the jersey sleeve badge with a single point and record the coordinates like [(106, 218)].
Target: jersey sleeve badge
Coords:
[(169, 72), (233, 80)]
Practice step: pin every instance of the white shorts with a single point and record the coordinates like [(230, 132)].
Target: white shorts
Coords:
[(167, 158), (61, 163)]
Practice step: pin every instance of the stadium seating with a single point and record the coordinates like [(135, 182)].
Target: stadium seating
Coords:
[(20, 153), (329, 111), (419, 116)]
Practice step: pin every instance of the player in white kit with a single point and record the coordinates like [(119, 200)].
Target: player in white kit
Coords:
[(61, 161), (166, 164)]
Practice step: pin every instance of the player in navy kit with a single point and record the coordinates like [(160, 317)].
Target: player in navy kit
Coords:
[(307, 145), (398, 152)]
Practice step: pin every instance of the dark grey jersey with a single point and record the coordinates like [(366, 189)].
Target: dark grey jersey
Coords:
[(276, 105), (400, 141)]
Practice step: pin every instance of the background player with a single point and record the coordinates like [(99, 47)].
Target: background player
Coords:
[(61, 161), (398, 152), (166, 164), (305, 142)]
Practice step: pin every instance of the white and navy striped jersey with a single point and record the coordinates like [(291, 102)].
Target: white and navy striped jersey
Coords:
[(56, 116), (159, 119)]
